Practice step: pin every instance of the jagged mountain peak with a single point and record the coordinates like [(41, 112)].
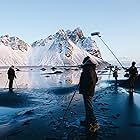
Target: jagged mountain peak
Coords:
[(14, 51), (69, 47), (60, 35), (14, 42)]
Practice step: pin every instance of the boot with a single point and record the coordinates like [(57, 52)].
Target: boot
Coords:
[(130, 90), (94, 127)]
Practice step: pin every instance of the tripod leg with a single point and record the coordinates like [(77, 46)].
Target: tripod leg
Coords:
[(70, 101), (6, 84), (16, 83)]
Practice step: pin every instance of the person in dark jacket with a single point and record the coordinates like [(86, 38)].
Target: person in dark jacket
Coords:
[(133, 73), (11, 76), (115, 74), (87, 84)]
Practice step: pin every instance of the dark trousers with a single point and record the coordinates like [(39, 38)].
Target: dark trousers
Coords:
[(132, 82), (90, 117), (116, 80), (10, 84)]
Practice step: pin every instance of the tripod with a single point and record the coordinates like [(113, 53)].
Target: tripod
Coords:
[(70, 101)]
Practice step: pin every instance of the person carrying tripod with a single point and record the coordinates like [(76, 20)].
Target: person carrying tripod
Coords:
[(87, 84), (11, 76)]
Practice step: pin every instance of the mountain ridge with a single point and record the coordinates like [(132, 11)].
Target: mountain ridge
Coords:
[(63, 48)]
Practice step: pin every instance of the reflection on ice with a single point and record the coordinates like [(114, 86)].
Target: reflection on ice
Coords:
[(35, 93), (22, 80), (35, 78)]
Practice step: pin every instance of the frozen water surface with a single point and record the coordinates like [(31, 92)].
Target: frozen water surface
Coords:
[(40, 98), (34, 90)]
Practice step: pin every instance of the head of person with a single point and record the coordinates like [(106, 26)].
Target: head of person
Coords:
[(133, 63), (12, 67), (86, 59), (89, 63)]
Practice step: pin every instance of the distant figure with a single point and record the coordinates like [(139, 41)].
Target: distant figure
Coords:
[(110, 69), (11, 76), (115, 73), (133, 73), (87, 84)]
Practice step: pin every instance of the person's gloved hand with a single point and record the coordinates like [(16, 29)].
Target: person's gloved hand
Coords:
[(124, 68)]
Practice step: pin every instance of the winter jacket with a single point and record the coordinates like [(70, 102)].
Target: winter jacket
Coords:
[(115, 72), (88, 79), (11, 74), (133, 72)]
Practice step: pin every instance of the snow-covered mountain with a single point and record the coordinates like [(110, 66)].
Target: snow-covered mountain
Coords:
[(64, 48), (13, 51), (83, 42)]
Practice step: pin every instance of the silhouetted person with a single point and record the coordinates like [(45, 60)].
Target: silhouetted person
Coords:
[(133, 73), (11, 76), (87, 84), (110, 69), (115, 74)]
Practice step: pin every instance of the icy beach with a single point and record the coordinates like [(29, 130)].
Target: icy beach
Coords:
[(35, 109)]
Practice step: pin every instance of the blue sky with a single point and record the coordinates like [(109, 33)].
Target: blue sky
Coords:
[(118, 21)]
